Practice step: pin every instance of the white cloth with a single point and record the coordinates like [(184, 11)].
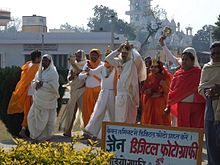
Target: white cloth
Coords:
[(77, 87), (105, 102), (210, 77), (42, 115), (127, 99), (106, 83), (91, 82), (178, 61), (30, 88)]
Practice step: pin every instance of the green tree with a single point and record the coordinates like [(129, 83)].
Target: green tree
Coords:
[(71, 28), (13, 26), (216, 32), (102, 21), (201, 40)]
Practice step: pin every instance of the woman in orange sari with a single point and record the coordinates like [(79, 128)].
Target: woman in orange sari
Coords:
[(155, 91)]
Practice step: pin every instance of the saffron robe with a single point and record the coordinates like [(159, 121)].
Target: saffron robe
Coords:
[(154, 103), (20, 100)]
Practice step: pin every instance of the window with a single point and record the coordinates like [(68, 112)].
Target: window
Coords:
[(60, 60)]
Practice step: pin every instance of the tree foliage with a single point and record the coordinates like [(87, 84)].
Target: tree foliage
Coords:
[(216, 32), (201, 40), (13, 26), (156, 14), (71, 28), (105, 19)]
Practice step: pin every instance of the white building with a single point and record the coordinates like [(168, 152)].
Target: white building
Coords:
[(141, 16), (15, 48)]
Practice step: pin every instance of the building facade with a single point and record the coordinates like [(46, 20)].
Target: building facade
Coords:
[(15, 48)]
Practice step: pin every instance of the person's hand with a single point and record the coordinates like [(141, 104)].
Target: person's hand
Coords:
[(161, 41), (208, 92), (167, 110), (89, 65), (213, 91), (87, 69), (121, 47), (39, 85)]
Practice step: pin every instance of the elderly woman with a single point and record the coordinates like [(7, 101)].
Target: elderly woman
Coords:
[(42, 115), (184, 101)]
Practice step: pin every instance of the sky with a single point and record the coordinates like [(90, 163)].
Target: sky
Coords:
[(194, 13)]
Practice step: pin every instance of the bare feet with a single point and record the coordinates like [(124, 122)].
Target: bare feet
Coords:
[(67, 134), (22, 134), (87, 136)]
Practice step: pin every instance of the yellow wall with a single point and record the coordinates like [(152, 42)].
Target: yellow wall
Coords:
[(34, 28)]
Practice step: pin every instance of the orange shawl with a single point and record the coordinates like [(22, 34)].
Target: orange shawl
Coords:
[(94, 65), (153, 107), (19, 96)]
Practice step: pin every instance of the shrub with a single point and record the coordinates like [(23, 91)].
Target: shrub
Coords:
[(54, 153), (9, 77)]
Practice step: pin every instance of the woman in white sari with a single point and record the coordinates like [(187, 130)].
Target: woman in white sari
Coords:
[(42, 115)]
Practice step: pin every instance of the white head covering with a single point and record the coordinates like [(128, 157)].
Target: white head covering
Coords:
[(50, 67), (193, 51)]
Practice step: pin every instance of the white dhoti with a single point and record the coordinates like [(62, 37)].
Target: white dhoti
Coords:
[(105, 104), (69, 113), (41, 122), (125, 107), (42, 114), (131, 72)]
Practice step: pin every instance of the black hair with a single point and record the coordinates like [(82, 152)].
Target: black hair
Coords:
[(189, 54), (215, 44), (160, 66), (35, 54), (147, 58)]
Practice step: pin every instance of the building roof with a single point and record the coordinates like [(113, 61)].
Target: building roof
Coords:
[(74, 37)]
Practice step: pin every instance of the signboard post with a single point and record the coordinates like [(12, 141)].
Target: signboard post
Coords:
[(152, 145)]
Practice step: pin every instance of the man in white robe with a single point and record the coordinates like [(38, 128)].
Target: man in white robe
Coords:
[(131, 71), (106, 99), (77, 87), (42, 115)]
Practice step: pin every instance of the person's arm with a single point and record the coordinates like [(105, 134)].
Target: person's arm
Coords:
[(96, 70), (202, 88), (169, 56), (111, 58), (83, 74), (70, 76)]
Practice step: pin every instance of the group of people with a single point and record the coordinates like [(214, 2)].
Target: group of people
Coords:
[(114, 88), (36, 95), (111, 89)]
